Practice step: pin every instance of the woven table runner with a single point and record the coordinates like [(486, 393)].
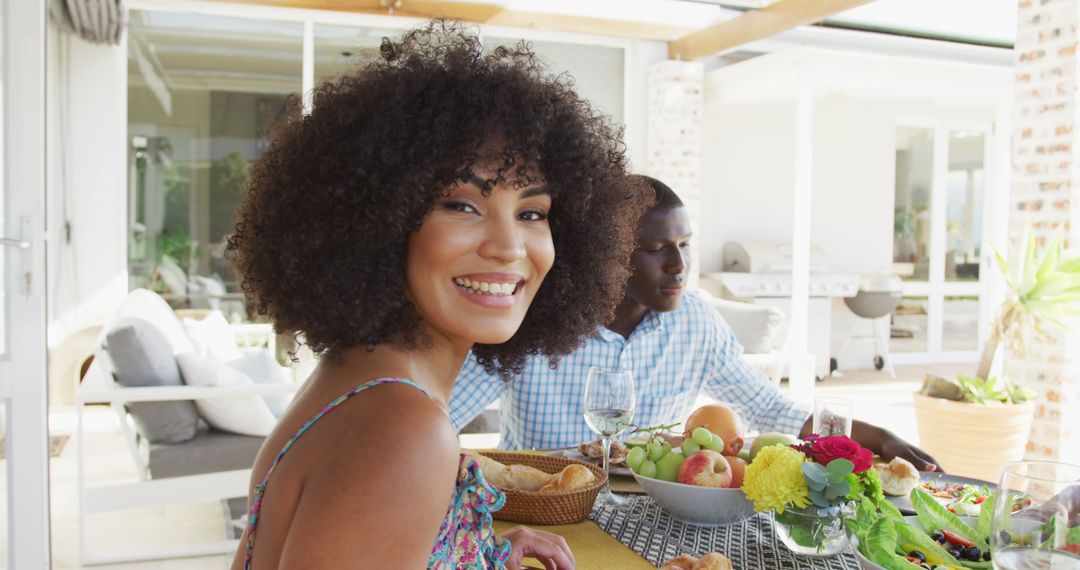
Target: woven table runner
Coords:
[(654, 534)]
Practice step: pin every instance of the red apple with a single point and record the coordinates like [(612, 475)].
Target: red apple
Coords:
[(738, 467), (706, 468)]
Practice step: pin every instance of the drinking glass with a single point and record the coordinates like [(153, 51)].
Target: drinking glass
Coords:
[(832, 416), (1034, 507), (608, 406)]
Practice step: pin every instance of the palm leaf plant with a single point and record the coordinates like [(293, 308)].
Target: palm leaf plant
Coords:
[(1043, 289)]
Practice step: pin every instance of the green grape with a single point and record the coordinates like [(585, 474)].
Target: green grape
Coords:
[(667, 469), (656, 451), (635, 457), (666, 446), (717, 444), (689, 446), (647, 469), (702, 436)]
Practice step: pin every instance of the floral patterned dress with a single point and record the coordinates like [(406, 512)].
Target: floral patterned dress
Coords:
[(466, 539)]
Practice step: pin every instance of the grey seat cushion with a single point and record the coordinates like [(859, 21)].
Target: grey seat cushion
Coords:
[(209, 452), (142, 356)]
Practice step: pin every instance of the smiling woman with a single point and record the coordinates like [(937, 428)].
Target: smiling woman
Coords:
[(439, 200)]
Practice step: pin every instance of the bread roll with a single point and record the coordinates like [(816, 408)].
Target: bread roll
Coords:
[(711, 561), (898, 477), (521, 477), (683, 562), (571, 478)]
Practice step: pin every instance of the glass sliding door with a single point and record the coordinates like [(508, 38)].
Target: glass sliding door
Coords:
[(24, 447), (938, 240), (203, 91)]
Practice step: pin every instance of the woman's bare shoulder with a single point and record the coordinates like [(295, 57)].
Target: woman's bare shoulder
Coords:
[(384, 470)]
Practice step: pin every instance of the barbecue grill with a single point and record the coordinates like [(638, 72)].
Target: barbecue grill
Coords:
[(878, 297)]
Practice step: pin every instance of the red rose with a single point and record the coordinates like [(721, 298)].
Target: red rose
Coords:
[(841, 447)]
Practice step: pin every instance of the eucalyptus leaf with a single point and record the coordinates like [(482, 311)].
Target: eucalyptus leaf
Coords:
[(838, 469), (819, 498), (838, 490), (814, 473)]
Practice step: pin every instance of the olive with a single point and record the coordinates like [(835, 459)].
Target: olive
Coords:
[(917, 554), (972, 553), (986, 556), (938, 538)]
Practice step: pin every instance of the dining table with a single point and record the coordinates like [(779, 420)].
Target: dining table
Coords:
[(640, 534)]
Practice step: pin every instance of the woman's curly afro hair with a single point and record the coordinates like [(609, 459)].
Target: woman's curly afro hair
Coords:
[(321, 237)]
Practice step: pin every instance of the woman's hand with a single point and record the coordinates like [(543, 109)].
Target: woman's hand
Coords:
[(550, 549)]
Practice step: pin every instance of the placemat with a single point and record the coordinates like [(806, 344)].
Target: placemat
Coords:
[(650, 531)]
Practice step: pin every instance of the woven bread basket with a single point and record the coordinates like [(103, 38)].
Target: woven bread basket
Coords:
[(555, 507)]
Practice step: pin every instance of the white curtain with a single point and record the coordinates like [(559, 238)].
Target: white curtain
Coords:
[(96, 21)]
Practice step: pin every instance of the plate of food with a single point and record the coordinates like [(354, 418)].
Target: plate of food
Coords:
[(592, 451), (959, 495)]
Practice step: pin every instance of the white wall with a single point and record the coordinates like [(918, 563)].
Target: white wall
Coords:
[(749, 160), (748, 174), (87, 118)]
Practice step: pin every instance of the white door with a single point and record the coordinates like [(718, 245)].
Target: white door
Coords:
[(25, 494), (940, 240)]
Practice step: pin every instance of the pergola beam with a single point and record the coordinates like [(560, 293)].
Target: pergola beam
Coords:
[(754, 25)]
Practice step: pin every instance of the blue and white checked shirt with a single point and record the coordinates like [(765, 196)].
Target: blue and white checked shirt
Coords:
[(674, 356)]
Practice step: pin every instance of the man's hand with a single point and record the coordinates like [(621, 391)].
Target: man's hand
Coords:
[(896, 447), (550, 549), (886, 444)]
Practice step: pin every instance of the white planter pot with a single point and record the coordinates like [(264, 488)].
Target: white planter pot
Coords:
[(973, 440)]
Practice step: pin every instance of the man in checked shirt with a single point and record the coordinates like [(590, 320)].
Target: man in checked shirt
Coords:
[(675, 343)]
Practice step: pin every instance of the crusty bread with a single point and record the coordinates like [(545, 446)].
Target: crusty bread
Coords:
[(683, 562), (711, 561), (521, 477), (526, 478), (571, 478)]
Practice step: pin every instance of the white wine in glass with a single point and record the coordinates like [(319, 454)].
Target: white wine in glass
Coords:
[(608, 407), (1036, 516)]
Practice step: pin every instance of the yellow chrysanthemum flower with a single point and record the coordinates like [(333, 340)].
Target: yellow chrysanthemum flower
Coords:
[(774, 479)]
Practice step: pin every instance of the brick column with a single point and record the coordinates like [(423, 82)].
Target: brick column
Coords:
[(676, 111), (1045, 171)]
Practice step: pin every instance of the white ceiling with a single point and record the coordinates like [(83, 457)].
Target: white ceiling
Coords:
[(991, 21), (980, 21)]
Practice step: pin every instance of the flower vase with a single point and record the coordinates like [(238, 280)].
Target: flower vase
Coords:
[(812, 530)]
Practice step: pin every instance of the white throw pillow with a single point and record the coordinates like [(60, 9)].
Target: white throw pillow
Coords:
[(263, 368), (248, 415), (213, 336)]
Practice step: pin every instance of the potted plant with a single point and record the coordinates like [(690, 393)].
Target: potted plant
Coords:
[(974, 425)]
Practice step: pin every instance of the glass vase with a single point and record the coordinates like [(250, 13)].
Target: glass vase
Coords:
[(812, 530)]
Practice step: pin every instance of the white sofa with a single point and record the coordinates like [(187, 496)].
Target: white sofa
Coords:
[(757, 328), (177, 457)]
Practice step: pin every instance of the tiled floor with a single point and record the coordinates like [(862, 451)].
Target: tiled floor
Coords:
[(877, 399)]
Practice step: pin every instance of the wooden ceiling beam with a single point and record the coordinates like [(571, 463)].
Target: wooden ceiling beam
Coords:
[(754, 25), (492, 14), (587, 25), (465, 11)]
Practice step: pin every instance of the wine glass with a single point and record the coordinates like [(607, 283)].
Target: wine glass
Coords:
[(1034, 507), (608, 406)]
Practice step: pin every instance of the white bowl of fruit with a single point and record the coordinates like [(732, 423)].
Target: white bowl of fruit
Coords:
[(695, 482)]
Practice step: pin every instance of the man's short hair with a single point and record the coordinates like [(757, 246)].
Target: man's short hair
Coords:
[(666, 198)]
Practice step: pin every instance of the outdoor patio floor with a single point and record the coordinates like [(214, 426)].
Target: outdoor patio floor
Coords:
[(877, 398)]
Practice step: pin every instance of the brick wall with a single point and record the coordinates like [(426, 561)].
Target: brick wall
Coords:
[(1045, 170), (675, 114)]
